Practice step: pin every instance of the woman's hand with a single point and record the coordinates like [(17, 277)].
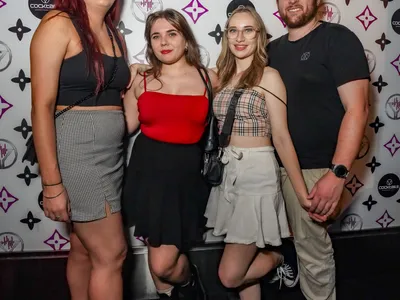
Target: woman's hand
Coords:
[(135, 69), (56, 203)]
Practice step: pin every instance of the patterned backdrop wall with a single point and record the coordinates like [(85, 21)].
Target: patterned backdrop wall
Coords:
[(372, 187)]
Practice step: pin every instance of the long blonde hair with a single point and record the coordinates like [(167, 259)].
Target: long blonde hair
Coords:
[(226, 61)]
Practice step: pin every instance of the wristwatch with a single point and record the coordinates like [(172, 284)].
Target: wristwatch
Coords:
[(339, 170)]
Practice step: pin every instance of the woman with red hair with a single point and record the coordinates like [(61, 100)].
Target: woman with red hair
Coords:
[(78, 70)]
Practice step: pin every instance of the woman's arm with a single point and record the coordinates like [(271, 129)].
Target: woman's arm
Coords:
[(47, 51), (272, 82), (130, 105)]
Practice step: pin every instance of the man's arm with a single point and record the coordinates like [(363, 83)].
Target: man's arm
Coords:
[(327, 191)]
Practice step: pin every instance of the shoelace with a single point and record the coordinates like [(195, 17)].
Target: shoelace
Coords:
[(284, 271)]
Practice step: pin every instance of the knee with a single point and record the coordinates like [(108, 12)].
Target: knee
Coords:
[(112, 258), (161, 268), (229, 278)]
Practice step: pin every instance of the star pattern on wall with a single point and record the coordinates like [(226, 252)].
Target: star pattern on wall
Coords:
[(366, 18), (383, 41), (19, 29), (217, 34), (30, 220), (56, 241), (386, 2), (354, 185), (24, 128), (195, 10), (369, 203), (376, 125), (373, 164), (27, 176), (22, 80), (380, 84), (122, 29), (385, 220)]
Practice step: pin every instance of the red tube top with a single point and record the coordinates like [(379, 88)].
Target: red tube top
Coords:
[(177, 119)]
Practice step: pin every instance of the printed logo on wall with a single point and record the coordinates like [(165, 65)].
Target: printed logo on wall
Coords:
[(19, 29), (11, 242), (40, 7), (6, 199), (383, 41), (2, 3), (5, 56), (4, 106), (389, 185), (386, 2), (236, 4), (27, 176), (373, 164), (205, 56), (396, 64), (141, 56), (30, 220), (385, 220), (329, 12), (142, 8), (24, 128), (366, 18), (351, 222), (56, 241), (123, 30), (354, 185), (392, 107), (8, 154), (276, 14), (396, 21), (376, 125), (393, 145), (195, 10), (369, 203), (217, 34), (40, 200), (22, 80), (371, 58), (380, 84), (364, 148)]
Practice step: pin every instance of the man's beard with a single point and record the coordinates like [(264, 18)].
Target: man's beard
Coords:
[(302, 20)]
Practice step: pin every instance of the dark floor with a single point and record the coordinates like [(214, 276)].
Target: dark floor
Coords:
[(368, 268)]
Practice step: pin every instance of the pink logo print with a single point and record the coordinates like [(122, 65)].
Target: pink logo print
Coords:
[(4, 106), (354, 185), (276, 14), (396, 63), (56, 241), (393, 145), (385, 220), (2, 3), (366, 18), (6, 199), (195, 10)]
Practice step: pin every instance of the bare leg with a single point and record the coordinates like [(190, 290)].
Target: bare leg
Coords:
[(105, 242), (78, 269)]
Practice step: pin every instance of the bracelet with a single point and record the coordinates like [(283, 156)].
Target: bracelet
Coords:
[(52, 197), (52, 184)]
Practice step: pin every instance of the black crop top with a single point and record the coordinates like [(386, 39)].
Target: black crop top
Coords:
[(76, 82)]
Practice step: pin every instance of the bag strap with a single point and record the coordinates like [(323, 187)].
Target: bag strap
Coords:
[(92, 94), (225, 134)]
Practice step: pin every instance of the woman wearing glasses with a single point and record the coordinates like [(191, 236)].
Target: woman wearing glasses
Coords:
[(248, 207)]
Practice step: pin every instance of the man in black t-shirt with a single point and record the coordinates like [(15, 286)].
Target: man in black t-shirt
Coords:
[(326, 75)]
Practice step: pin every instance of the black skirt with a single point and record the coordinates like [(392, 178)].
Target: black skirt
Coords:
[(164, 194)]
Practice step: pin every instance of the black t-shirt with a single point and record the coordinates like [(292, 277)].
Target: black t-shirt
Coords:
[(312, 69)]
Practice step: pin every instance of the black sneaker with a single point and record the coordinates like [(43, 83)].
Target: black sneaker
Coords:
[(195, 289), (288, 271)]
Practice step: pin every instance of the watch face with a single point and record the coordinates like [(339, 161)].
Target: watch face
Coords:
[(340, 170)]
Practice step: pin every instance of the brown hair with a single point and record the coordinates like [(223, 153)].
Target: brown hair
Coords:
[(177, 20), (226, 61)]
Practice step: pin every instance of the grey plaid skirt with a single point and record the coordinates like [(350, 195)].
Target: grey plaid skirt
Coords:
[(90, 157)]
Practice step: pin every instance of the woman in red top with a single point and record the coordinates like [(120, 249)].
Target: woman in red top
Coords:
[(164, 193)]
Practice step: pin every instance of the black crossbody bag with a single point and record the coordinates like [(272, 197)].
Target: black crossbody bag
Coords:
[(213, 167), (30, 153)]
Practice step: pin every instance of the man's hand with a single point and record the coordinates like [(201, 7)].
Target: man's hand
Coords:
[(326, 194)]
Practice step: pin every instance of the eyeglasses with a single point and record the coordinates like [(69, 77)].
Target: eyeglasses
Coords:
[(249, 33)]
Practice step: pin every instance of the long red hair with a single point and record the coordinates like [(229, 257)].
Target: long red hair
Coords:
[(77, 10)]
